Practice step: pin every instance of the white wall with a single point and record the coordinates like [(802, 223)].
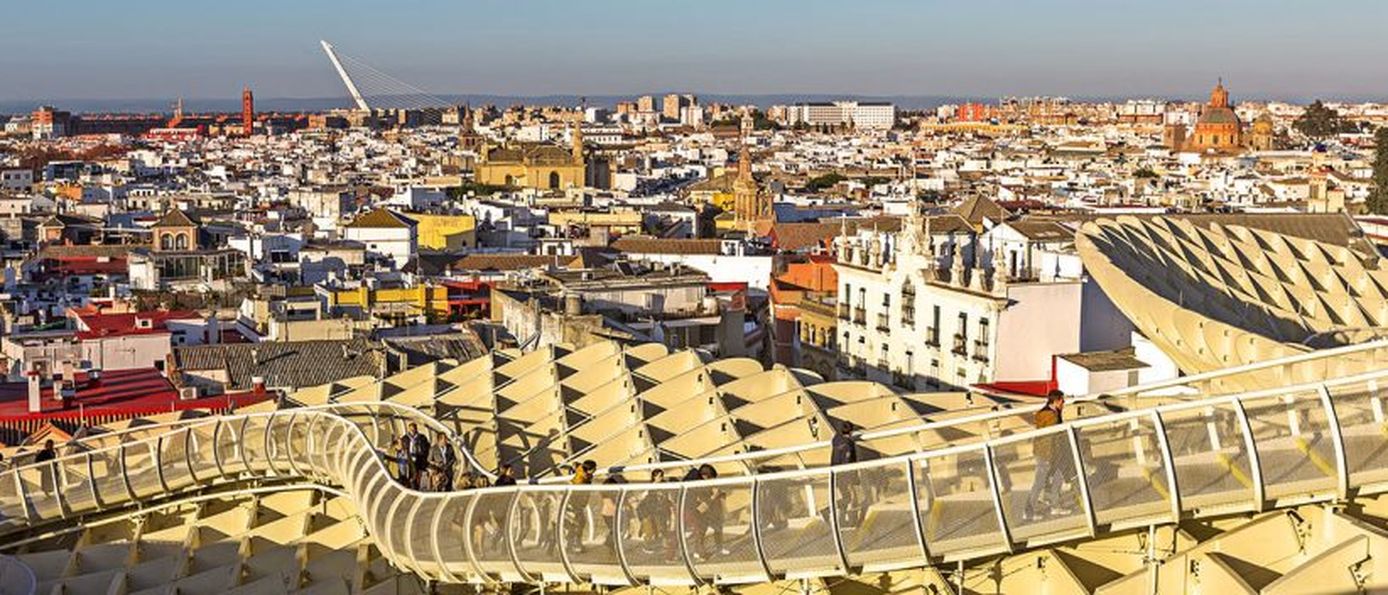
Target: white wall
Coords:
[(755, 271), (1041, 320)]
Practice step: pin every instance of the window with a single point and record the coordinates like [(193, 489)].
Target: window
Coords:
[(932, 334), (961, 336), (981, 343), (554, 179), (908, 304)]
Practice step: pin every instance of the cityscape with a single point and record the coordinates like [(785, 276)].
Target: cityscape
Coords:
[(585, 305)]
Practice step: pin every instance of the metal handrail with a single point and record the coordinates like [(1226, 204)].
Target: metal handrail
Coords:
[(465, 549)]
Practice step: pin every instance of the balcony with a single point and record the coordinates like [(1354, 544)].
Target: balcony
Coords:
[(960, 345), (860, 315), (932, 337), (883, 323), (908, 317), (843, 311), (980, 350), (903, 379)]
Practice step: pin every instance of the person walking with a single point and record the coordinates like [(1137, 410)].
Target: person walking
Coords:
[(578, 512), (653, 514), (1052, 460), (419, 452), (48, 455), (843, 450), (442, 457), (505, 476), (401, 457)]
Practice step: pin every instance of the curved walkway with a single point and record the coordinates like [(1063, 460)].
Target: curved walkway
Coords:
[(1137, 468)]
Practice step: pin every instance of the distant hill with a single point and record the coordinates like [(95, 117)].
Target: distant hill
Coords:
[(294, 104)]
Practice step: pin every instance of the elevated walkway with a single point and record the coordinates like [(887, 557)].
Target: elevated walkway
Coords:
[(956, 500)]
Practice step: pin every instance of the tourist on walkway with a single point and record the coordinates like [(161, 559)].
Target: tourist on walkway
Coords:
[(1053, 460)]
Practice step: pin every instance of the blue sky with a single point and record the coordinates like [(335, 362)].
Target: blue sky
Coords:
[(159, 48)]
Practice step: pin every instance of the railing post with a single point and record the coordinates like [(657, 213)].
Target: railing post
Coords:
[(1337, 439), (289, 443), (58, 469), (618, 522), (834, 515), (158, 459), (1164, 445), (269, 441), (755, 519), (411, 557), (1082, 481), (563, 534), (434, 540), (916, 507), (216, 447), (467, 540), (241, 444), (683, 539), (991, 467), (125, 474), (504, 525), (91, 481), (1255, 466), (188, 446), (24, 500)]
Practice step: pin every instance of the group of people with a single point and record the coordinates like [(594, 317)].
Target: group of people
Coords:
[(430, 466), (422, 465)]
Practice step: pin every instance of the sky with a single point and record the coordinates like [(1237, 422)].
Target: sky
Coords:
[(114, 49)]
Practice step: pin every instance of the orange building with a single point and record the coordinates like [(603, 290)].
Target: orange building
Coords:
[(1218, 128)]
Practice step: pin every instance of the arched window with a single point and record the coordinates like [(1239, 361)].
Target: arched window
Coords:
[(554, 179), (510, 181), (181, 242), (165, 242)]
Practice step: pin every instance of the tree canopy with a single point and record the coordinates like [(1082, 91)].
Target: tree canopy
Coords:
[(1377, 203), (1319, 122)]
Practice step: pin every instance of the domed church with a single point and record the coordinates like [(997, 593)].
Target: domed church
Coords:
[(1218, 128)]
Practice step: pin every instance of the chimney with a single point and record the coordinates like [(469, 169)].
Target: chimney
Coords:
[(35, 391), (258, 385)]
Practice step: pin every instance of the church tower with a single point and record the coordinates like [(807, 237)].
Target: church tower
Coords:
[(577, 148), (747, 202), (1219, 97)]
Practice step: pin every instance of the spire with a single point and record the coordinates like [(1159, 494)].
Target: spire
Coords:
[(1219, 97), (578, 142)]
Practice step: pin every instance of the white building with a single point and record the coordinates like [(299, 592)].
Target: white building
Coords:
[(326, 207), (18, 179), (925, 315), (854, 113), (385, 233)]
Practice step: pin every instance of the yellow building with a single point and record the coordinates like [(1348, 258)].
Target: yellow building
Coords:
[(388, 302), (445, 233), (619, 222), (539, 166)]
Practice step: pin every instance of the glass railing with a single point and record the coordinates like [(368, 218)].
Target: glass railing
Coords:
[(1015, 489), (16, 578)]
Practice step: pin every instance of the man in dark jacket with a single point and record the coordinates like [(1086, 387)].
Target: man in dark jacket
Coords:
[(419, 451), (843, 450), (442, 457)]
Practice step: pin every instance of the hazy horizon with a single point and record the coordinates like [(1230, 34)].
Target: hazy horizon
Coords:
[(1270, 49)]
